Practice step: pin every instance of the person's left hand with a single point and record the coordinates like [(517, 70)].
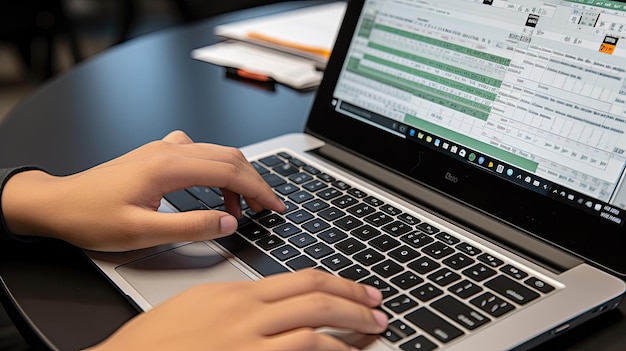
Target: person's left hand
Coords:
[(112, 206)]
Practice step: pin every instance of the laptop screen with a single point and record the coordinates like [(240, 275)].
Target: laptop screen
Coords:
[(530, 92)]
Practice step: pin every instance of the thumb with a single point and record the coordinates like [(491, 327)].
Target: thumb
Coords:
[(188, 226)]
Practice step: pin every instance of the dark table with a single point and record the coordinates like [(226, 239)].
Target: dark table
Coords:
[(131, 94)]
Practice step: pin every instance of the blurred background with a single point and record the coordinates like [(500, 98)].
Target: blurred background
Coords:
[(42, 38)]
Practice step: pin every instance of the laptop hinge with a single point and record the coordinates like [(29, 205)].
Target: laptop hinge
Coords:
[(472, 220)]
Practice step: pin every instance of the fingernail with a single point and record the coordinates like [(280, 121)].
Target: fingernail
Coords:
[(374, 293), (381, 318), (228, 224)]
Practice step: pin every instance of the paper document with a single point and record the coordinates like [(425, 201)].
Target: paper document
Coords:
[(291, 70), (310, 32)]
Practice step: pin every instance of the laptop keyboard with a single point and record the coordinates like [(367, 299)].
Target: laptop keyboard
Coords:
[(436, 286)]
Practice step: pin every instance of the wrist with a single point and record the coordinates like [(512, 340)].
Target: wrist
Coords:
[(26, 200)]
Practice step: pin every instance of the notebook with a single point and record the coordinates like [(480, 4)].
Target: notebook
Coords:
[(465, 157)]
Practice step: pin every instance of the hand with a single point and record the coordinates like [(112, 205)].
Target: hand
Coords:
[(113, 206), (279, 313)]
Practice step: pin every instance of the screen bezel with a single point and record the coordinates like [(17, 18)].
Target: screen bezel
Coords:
[(587, 236)]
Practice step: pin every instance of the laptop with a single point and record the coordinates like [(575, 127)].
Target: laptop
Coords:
[(465, 157)]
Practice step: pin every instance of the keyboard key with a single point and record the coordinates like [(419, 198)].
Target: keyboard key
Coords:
[(184, 201), (387, 268), (350, 246), (365, 232), (286, 230), (357, 193), (344, 201), (515, 291), (386, 289), (301, 262), (420, 343), (384, 243), (458, 261), (312, 170), (426, 292), (368, 257), (539, 285), (302, 240), (348, 223), (286, 189), (447, 238), (490, 260), (361, 210), (398, 330), (404, 254), (427, 228), (407, 280), (468, 249), (492, 304), (443, 277), (252, 231), (378, 219), (355, 272), (316, 225), (336, 262), (390, 210), (319, 250), (397, 228), (341, 185), (285, 252), (400, 304), (209, 197), (332, 235), (299, 216), (273, 180), (314, 185), (300, 196), (514, 272), (408, 219), (434, 325), (417, 239), (373, 201), (300, 178), (297, 162), (331, 214), (465, 289), (424, 265), (285, 169), (260, 169), (271, 220), (437, 250), (271, 161), (326, 177), (329, 193), (270, 242), (284, 155), (460, 312), (479, 272)]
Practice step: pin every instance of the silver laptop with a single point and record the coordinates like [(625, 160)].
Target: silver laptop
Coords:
[(466, 157)]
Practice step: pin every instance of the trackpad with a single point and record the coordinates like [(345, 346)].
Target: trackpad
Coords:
[(161, 276)]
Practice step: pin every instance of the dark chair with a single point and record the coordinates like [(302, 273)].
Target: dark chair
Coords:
[(34, 27)]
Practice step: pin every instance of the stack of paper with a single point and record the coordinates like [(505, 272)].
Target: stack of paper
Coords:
[(289, 47)]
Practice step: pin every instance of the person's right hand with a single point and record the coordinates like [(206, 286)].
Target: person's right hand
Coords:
[(280, 313)]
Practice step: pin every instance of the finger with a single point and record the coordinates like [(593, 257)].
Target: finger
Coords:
[(178, 137), (282, 286), (184, 172), (232, 202), (306, 339), (174, 227), (316, 310)]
